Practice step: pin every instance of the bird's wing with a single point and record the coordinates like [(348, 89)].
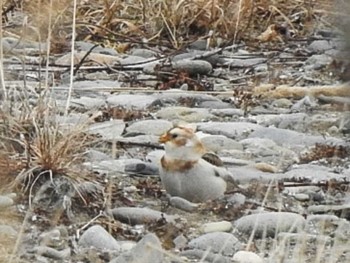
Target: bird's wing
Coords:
[(213, 159)]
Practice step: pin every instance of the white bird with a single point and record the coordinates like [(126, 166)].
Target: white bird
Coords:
[(183, 170)]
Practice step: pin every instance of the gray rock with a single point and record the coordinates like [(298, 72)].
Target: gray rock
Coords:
[(205, 256), (343, 211), (298, 238), (142, 168), (269, 224), (7, 232), (53, 253), (245, 63), (184, 113), (291, 138), (95, 85), (147, 250), (322, 224), (142, 139), (155, 156), (183, 204), (132, 101), (116, 166), (217, 242), (234, 130), (217, 143), (87, 103), (213, 105), (317, 62), (227, 112), (132, 59), (222, 226), (313, 173), (176, 96), (246, 257), (150, 127), (56, 238), (109, 130), (246, 174), (320, 46), (86, 46), (144, 53), (193, 67), (96, 156), (96, 236), (180, 242), (136, 215), (5, 202), (282, 103)]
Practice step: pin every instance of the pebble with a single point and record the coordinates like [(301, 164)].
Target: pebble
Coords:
[(184, 113), (5, 202), (137, 215), (109, 130), (204, 256), (147, 250), (193, 67), (270, 223), (149, 127), (223, 243), (137, 102), (7, 232), (96, 236), (53, 253), (217, 143), (87, 103), (142, 168), (183, 204), (233, 130), (246, 257), (343, 211), (222, 226), (302, 197)]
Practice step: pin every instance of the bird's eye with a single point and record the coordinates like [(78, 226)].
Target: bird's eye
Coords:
[(174, 136)]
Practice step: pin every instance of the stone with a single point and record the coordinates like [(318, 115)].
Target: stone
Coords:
[(217, 242), (269, 224), (217, 143), (96, 236), (246, 257), (183, 204), (108, 130), (222, 226), (193, 67), (233, 130), (147, 250), (137, 215), (87, 103), (5, 202), (184, 113), (149, 127), (136, 101), (53, 253)]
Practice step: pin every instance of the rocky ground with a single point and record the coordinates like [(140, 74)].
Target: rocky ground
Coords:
[(287, 147)]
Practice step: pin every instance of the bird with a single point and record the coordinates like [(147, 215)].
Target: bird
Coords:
[(187, 170)]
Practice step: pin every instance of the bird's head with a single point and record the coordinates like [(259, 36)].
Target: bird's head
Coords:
[(182, 143)]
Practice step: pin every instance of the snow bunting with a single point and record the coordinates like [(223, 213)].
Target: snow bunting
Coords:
[(183, 170)]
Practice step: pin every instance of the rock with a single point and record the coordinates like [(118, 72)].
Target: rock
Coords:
[(245, 174), (109, 130), (213, 105), (290, 138), (87, 103), (246, 257), (183, 204), (53, 253), (282, 103), (138, 102), (180, 242), (317, 62), (141, 168), (5, 202), (217, 143), (149, 127), (342, 211), (204, 256), (268, 224), (227, 112), (7, 232), (307, 172), (136, 215), (217, 242), (96, 236), (147, 250), (302, 197), (297, 238), (193, 67), (222, 226), (184, 113), (233, 130), (142, 52), (245, 63), (320, 46), (86, 46), (143, 139), (155, 156), (322, 224), (56, 238)]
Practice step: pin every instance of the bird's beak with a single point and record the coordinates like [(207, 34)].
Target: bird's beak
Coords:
[(164, 138)]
